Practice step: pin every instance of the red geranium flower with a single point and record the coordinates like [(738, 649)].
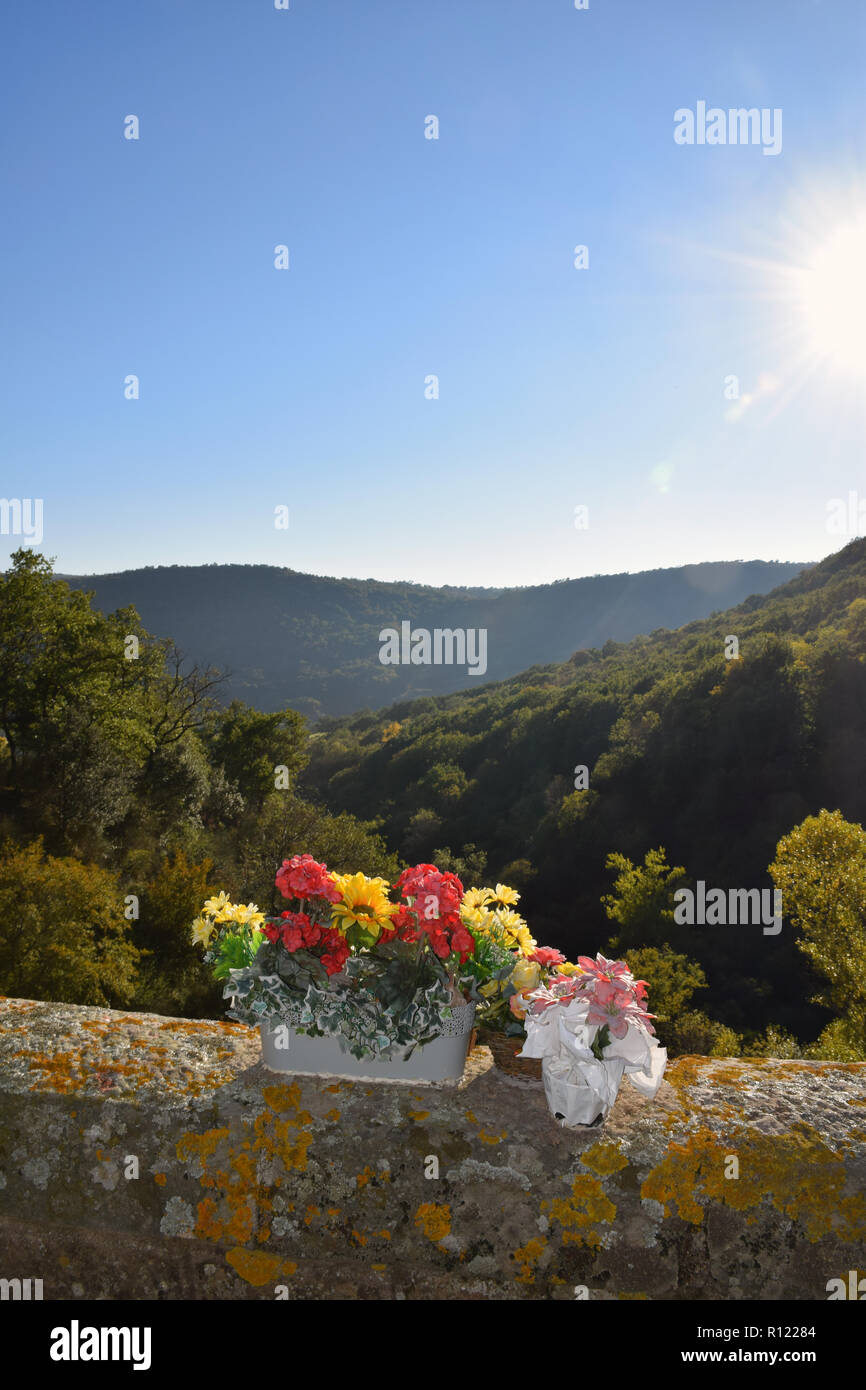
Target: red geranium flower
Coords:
[(302, 877)]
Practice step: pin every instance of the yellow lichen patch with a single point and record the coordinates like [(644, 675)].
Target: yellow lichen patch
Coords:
[(285, 1097), (380, 1269), (363, 1178), (686, 1071), (160, 1179), (59, 1072), (633, 1296), (202, 1146), (604, 1159), (332, 1115), (311, 1212), (234, 1212), (417, 1115), (179, 1025), (527, 1257), (492, 1138), (434, 1220), (795, 1172), (208, 1224), (580, 1214), (284, 1139), (258, 1268), (358, 1238)]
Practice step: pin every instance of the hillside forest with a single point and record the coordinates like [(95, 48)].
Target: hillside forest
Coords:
[(132, 785)]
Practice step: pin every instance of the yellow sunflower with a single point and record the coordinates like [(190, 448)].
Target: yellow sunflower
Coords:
[(363, 902)]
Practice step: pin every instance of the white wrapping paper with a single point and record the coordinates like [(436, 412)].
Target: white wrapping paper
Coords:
[(578, 1086)]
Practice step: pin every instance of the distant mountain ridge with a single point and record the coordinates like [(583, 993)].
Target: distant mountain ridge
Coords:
[(312, 643)]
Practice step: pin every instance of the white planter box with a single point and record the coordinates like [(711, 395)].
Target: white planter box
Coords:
[(443, 1059)]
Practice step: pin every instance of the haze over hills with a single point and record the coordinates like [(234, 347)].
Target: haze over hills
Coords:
[(291, 639)]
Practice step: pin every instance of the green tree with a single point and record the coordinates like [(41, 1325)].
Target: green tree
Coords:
[(249, 746), (287, 826), (63, 933), (470, 865), (671, 978), (820, 869), (173, 979), (90, 706), (642, 901)]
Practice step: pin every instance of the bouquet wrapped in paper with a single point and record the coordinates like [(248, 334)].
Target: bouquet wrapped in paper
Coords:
[(591, 1029)]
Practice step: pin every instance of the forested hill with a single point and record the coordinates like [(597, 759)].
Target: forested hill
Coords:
[(712, 758), (313, 643)]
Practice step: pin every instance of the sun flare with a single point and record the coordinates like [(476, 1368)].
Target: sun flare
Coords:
[(831, 293)]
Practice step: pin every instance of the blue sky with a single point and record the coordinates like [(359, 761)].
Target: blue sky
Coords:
[(604, 387)]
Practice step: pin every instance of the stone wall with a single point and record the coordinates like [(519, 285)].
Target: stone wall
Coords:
[(147, 1157)]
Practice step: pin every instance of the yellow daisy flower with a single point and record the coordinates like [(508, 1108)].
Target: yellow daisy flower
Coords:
[(503, 894), (202, 931), (214, 906), (474, 917), (475, 898), (248, 915), (510, 921), (526, 941)]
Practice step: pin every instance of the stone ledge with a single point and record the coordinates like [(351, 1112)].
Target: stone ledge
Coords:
[(250, 1182)]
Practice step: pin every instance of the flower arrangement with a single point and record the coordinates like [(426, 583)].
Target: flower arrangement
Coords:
[(591, 1029), (348, 959)]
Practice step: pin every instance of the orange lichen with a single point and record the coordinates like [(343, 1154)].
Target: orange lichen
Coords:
[(604, 1159), (492, 1138), (581, 1214), (434, 1220), (795, 1172), (527, 1257), (258, 1268)]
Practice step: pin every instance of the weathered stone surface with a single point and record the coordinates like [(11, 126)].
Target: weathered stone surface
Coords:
[(249, 1182)]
